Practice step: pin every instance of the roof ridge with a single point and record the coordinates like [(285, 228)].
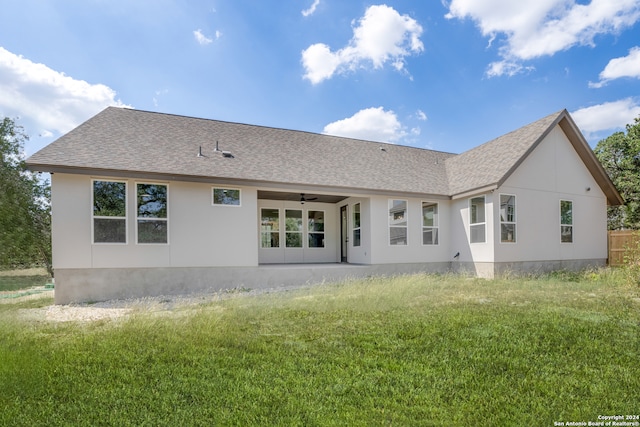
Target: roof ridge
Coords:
[(279, 129)]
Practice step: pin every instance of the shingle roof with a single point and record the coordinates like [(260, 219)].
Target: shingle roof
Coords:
[(139, 143), (491, 162)]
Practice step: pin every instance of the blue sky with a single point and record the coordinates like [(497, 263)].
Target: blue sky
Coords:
[(446, 75)]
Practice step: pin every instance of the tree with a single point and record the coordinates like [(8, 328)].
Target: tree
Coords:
[(620, 157), (25, 220)]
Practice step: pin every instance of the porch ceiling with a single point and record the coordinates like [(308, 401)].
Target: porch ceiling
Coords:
[(295, 197)]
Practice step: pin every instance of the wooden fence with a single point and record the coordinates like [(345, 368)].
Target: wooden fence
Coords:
[(620, 243)]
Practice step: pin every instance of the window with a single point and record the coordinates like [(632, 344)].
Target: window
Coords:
[(429, 223), (315, 226), (109, 212), (477, 232), (226, 196), (397, 222), (566, 221), (507, 218), (293, 228), (152, 213), (270, 228), (356, 224)]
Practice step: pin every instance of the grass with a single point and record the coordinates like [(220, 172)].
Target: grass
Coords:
[(12, 280), (412, 350)]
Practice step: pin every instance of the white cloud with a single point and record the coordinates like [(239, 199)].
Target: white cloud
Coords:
[(382, 35), (371, 124), (201, 38), (509, 68), (626, 66), (544, 27), (421, 115), (609, 116), (49, 99), (312, 9)]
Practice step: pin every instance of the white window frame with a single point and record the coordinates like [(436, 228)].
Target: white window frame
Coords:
[(213, 202), (287, 232), (478, 224), (125, 217), (309, 232), (353, 224), (166, 220), (436, 222), (514, 222), (566, 225), (279, 231), (390, 203)]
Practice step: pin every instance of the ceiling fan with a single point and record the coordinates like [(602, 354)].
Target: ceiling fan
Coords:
[(303, 199)]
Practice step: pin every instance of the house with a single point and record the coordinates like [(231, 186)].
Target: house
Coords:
[(146, 203)]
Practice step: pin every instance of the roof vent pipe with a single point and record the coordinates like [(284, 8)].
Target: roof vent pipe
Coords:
[(217, 150), (200, 152)]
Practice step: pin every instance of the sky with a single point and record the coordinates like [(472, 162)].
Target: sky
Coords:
[(443, 75)]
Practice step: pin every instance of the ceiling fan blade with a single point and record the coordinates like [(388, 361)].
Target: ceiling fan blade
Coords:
[(306, 199)]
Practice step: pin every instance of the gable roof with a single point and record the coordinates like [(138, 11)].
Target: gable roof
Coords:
[(142, 144), (488, 166), (492, 162)]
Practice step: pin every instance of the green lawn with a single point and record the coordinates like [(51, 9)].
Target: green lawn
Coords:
[(412, 350), (13, 280), (14, 283)]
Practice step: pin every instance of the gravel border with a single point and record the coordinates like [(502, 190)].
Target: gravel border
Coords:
[(119, 308)]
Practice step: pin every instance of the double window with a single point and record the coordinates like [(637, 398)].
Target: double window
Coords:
[(477, 220), (507, 218), (566, 221), (397, 222), (110, 212)]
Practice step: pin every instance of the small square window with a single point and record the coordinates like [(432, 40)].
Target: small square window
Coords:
[(226, 196)]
